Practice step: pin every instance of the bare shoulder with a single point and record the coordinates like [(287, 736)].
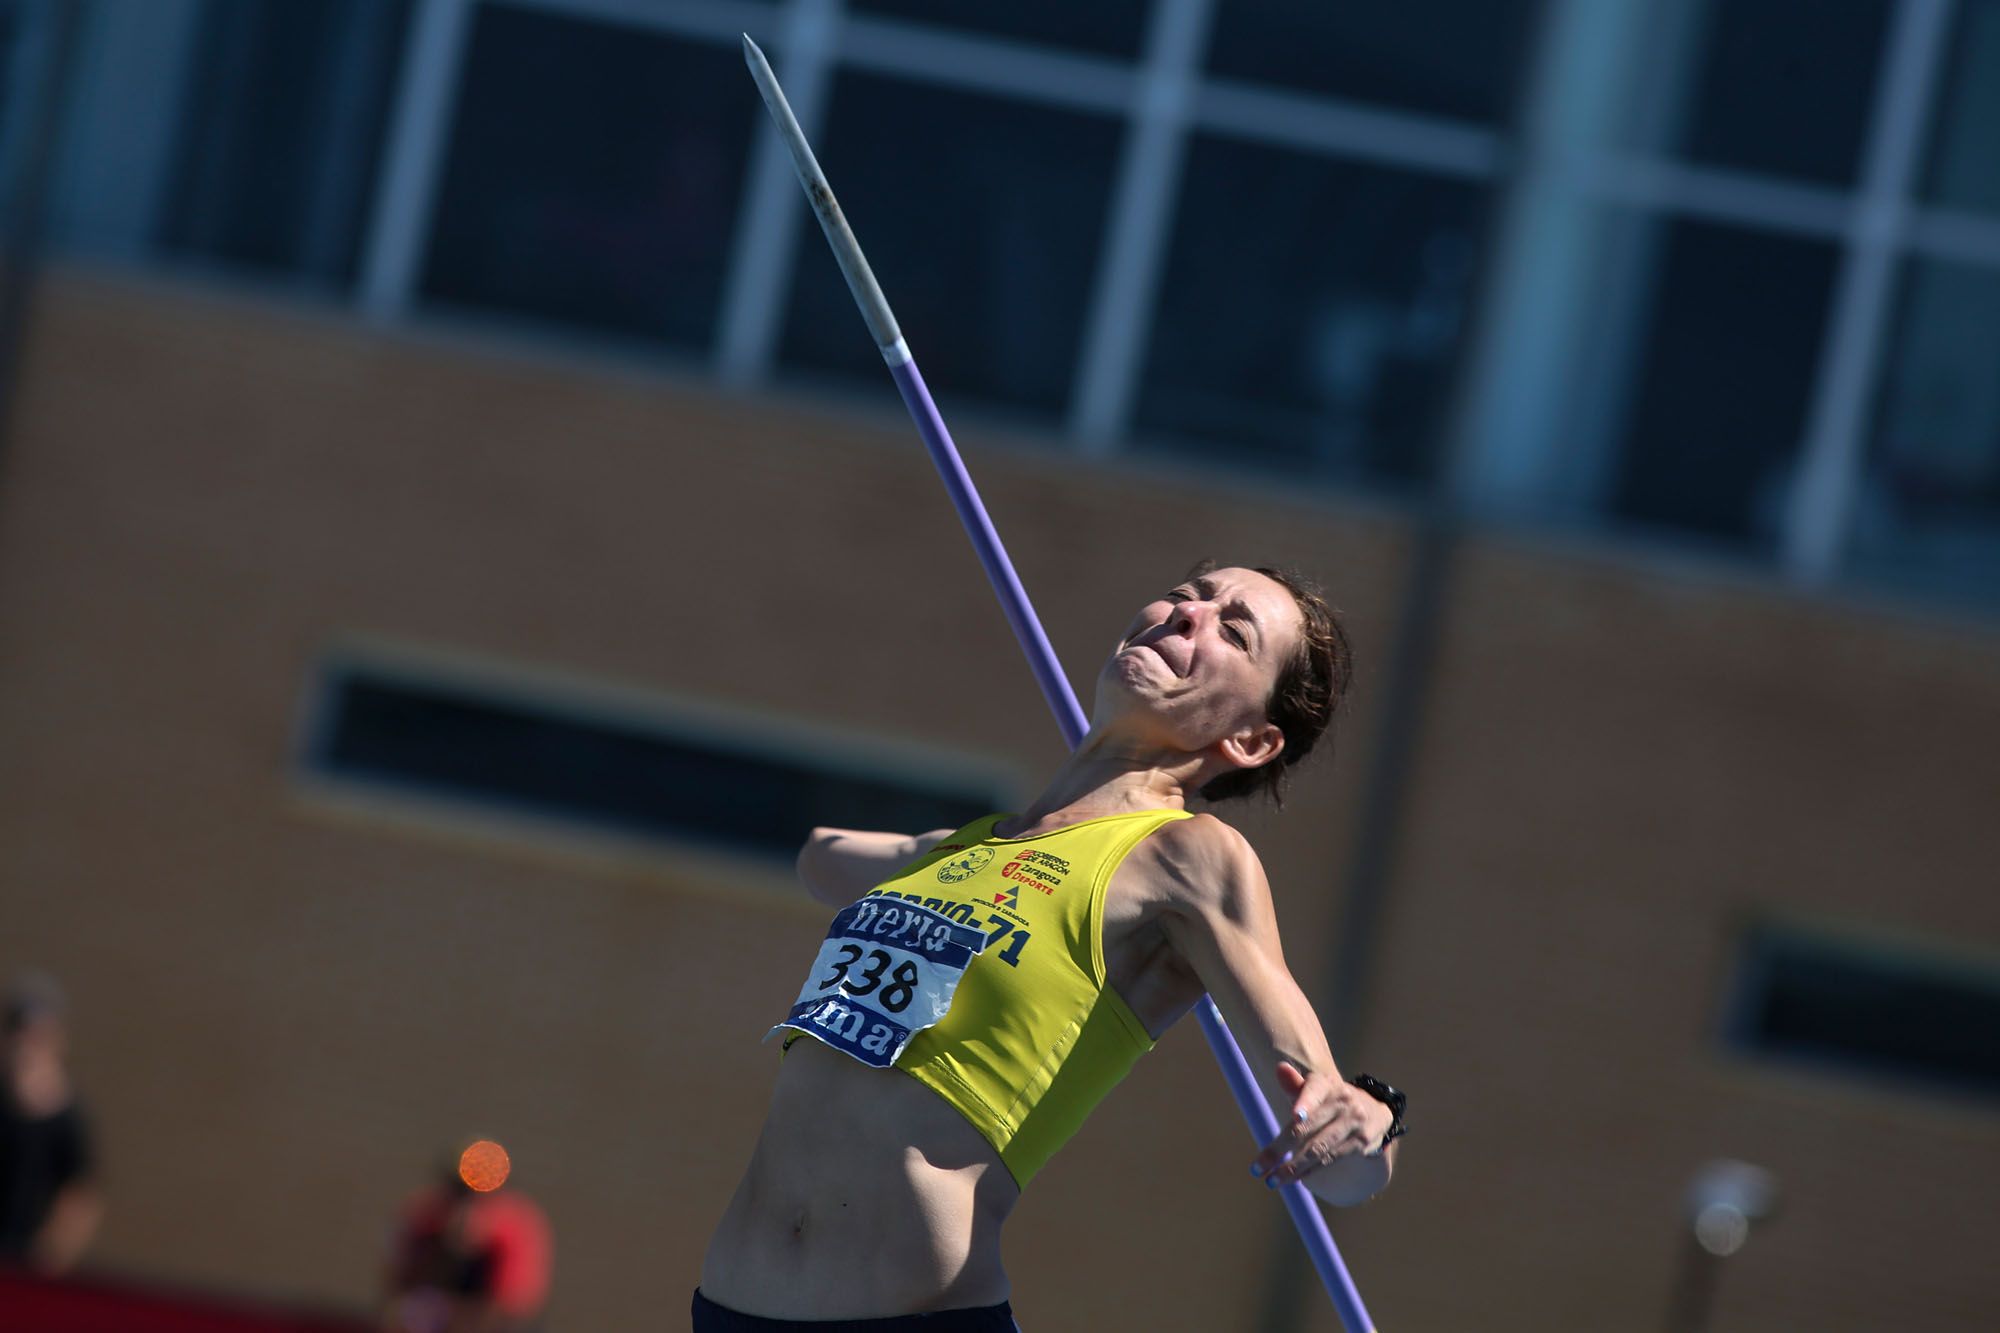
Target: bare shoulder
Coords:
[(1203, 865)]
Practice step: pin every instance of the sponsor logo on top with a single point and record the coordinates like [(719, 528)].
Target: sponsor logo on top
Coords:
[(1039, 870), (961, 868)]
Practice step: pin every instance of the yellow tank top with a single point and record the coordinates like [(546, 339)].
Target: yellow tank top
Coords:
[(1034, 1037)]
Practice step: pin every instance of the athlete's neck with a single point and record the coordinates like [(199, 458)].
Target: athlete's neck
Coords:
[(1103, 777)]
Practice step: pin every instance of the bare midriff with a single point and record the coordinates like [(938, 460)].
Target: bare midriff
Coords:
[(868, 1196)]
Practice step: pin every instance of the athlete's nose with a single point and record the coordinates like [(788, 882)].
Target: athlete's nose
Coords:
[(1185, 617)]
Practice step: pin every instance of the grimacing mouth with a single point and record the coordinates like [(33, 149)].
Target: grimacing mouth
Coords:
[(1152, 647)]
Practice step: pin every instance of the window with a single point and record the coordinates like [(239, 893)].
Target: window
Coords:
[(282, 133), (508, 751), (1964, 169), (1929, 511), (980, 216), (17, 87), (1767, 96), (1310, 314), (593, 177), (12, 56), (1102, 27), (1867, 1011), (1456, 58), (1302, 196), (1711, 428)]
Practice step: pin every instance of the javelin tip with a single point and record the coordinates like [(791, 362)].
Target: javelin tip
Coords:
[(860, 281), (753, 56)]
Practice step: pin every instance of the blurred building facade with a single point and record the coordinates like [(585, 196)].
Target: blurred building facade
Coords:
[(454, 532)]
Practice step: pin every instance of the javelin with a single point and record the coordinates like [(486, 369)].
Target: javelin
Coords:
[(1041, 657)]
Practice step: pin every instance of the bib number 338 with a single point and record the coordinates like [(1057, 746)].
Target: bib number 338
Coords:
[(886, 971)]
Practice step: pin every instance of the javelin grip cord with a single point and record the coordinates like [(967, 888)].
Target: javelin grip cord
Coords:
[(1020, 614)]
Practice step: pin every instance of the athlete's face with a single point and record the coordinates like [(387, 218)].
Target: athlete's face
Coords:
[(1204, 659)]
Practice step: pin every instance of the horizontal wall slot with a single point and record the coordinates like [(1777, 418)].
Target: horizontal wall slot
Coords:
[(504, 749), (1843, 1005)]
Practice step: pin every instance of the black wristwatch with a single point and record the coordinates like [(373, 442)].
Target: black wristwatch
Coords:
[(1392, 1098)]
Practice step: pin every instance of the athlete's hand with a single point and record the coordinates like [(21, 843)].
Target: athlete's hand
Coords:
[(1330, 1119)]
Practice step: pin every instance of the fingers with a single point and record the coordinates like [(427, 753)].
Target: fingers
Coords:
[(1329, 1145), (1306, 1097), (1327, 1122), (1291, 1134)]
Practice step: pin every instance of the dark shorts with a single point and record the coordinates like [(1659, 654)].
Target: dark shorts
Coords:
[(712, 1318)]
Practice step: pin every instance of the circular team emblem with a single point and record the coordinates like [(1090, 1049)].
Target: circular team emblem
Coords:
[(966, 866)]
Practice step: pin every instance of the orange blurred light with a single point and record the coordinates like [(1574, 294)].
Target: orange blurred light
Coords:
[(484, 1166)]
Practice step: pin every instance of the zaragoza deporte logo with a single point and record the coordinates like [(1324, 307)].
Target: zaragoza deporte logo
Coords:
[(964, 867)]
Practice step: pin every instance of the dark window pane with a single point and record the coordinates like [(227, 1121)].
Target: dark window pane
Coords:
[(1725, 375), (1457, 58), (1964, 169), (1107, 27), (515, 754), (12, 50), (1835, 1004), (14, 81), (1928, 515), (981, 218), (1770, 95), (1311, 313), (283, 133), (594, 176)]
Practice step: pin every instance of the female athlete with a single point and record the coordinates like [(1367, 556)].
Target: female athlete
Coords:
[(981, 989)]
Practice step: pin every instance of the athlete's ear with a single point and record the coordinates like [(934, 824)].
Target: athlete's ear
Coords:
[(1254, 747)]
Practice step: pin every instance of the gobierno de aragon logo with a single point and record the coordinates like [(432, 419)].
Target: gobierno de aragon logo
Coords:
[(961, 868)]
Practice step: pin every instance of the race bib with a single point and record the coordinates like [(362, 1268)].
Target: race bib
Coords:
[(886, 970)]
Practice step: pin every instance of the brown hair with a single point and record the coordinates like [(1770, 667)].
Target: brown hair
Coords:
[(1309, 691)]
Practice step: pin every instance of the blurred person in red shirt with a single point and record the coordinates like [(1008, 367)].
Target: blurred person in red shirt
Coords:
[(49, 1204), (466, 1260)]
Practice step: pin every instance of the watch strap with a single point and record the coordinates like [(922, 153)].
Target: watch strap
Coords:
[(1393, 1098)]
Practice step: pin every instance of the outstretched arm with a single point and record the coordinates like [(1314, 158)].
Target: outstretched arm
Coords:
[(1217, 912), (838, 865)]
